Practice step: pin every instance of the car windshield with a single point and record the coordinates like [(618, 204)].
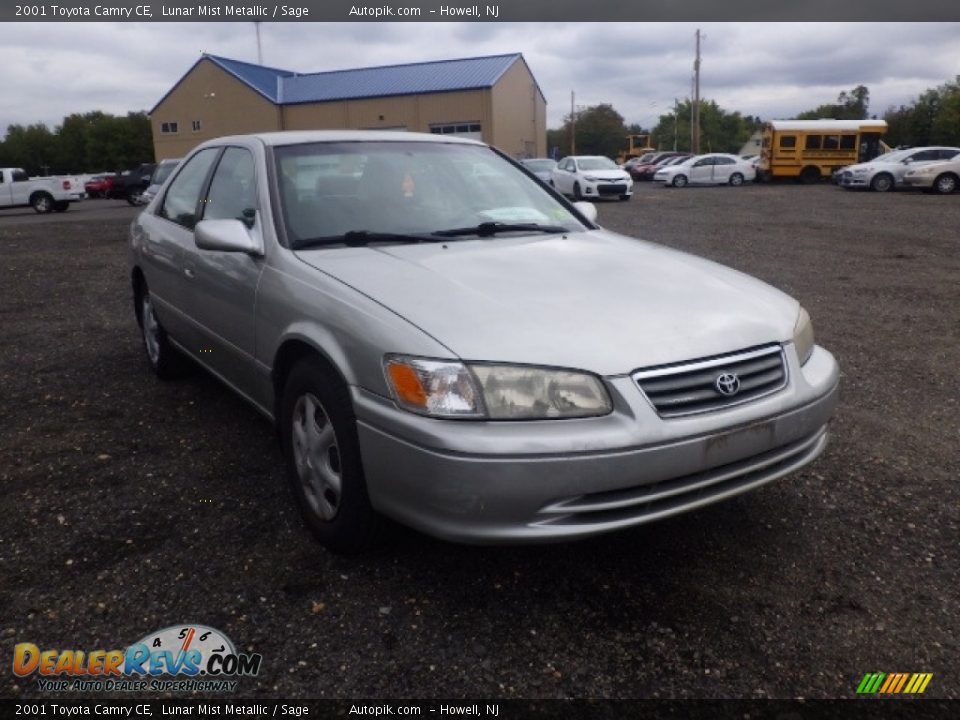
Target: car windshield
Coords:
[(596, 163), (540, 165), (327, 190)]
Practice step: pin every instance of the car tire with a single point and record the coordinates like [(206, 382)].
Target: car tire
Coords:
[(625, 198), (883, 182), (61, 206), (42, 203), (133, 197), (945, 184), (736, 179), (679, 181), (577, 194), (165, 360), (318, 430)]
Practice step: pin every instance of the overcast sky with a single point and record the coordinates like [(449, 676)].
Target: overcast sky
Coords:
[(772, 70)]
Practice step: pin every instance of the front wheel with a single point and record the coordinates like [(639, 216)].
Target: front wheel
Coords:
[(134, 197), (945, 184), (318, 429), (625, 198), (61, 206), (577, 194), (680, 181), (882, 183), (736, 179)]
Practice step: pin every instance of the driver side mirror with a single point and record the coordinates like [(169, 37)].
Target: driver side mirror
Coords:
[(225, 236)]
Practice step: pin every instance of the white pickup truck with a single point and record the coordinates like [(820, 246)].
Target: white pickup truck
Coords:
[(42, 194)]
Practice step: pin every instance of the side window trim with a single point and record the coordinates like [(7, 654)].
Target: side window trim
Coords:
[(208, 182)]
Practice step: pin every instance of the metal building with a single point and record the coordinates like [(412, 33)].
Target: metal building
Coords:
[(495, 99)]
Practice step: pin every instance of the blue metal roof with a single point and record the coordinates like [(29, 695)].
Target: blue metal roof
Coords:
[(416, 78), (285, 87), (261, 78)]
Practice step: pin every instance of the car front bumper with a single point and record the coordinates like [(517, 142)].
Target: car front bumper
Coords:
[(502, 482), (606, 188), (854, 181)]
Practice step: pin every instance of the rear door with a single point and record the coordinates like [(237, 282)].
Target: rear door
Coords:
[(167, 234)]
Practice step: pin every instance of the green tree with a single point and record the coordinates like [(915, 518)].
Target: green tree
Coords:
[(598, 130), (720, 130), (932, 119), (849, 106)]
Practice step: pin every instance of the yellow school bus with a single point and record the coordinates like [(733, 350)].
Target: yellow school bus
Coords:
[(808, 150)]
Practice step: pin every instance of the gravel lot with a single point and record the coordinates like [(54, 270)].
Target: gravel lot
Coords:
[(130, 505)]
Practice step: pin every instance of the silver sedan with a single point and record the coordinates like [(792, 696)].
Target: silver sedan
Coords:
[(444, 341)]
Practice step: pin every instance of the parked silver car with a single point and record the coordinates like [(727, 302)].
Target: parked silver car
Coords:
[(475, 359), (940, 177), (886, 171)]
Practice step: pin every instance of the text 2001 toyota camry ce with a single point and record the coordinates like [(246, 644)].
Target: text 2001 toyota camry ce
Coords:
[(445, 341)]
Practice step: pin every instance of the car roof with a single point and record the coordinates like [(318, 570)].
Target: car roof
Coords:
[(299, 137)]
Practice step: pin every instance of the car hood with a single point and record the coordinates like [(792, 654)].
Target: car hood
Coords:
[(606, 174), (594, 300)]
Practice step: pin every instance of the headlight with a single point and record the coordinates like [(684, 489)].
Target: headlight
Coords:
[(588, 178), (525, 393), (452, 389), (861, 171), (803, 336)]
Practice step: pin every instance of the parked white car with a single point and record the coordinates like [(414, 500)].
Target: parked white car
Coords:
[(592, 176), (44, 194), (941, 177), (887, 171), (710, 169)]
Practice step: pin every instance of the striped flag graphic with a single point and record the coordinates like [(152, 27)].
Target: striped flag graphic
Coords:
[(894, 683)]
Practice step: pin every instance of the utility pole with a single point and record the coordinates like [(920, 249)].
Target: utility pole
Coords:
[(573, 125), (695, 125), (259, 51)]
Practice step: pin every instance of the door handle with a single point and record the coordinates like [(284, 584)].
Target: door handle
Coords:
[(188, 272)]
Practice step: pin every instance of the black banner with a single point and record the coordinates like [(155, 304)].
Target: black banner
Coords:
[(515, 11), (860, 709)]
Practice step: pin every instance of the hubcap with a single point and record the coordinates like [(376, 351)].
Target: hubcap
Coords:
[(946, 185), (317, 457), (151, 330)]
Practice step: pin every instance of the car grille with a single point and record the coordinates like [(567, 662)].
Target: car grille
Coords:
[(697, 386), (611, 189)]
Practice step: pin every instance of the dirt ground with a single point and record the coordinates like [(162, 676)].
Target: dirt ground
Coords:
[(131, 505)]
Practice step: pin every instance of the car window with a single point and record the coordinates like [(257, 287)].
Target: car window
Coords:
[(232, 193), (724, 161), (183, 196), (949, 154)]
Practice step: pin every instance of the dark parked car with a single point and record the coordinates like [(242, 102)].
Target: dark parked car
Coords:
[(129, 185)]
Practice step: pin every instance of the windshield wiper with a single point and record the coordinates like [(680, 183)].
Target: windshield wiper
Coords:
[(359, 238), (489, 229)]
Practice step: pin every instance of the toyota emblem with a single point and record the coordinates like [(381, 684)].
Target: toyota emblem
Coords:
[(727, 384)]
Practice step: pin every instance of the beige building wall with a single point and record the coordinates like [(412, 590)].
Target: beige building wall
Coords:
[(520, 114), (415, 113), (222, 104)]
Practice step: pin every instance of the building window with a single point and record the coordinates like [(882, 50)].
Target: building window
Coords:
[(169, 128), (455, 129), (195, 124)]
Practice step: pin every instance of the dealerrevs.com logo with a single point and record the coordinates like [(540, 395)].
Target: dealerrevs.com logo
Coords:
[(187, 658)]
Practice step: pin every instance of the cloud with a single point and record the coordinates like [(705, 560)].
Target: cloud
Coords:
[(765, 69)]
